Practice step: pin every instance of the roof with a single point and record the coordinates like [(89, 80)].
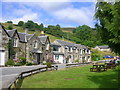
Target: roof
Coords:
[(2, 28), (103, 47), (43, 39), (56, 52), (84, 47), (79, 46), (11, 32), (54, 44), (64, 43), (24, 36)]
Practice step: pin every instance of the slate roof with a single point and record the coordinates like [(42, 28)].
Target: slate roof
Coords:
[(24, 37), (43, 39), (103, 47), (11, 32), (2, 28), (52, 44), (68, 44), (64, 43), (79, 46)]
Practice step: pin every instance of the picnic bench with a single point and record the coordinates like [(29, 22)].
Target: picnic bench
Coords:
[(98, 68), (110, 65)]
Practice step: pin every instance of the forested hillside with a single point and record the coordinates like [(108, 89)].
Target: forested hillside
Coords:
[(82, 34)]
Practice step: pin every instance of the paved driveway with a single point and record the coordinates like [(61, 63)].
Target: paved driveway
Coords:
[(8, 73)]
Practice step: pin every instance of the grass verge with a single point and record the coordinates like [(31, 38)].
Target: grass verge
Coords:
[(77, 77)]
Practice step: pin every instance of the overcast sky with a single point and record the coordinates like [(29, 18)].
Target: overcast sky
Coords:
[(66, 14)]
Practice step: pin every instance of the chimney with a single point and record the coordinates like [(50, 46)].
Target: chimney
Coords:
[(42, 33), (26, 30)]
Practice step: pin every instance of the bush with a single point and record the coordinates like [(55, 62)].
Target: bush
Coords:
[(29, 64), (22, 60), (10, 62), (18, 64), (48, 64), (77, 61)]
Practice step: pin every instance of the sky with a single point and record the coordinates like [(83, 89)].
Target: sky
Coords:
[(64, 13)]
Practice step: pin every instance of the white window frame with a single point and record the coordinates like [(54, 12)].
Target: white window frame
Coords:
[(35, 44), (15, 42)]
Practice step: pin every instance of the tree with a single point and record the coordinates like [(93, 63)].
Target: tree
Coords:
[(10, 27), (11, 49), (9, 22), (41, 27), (20, 23), (108, 16)]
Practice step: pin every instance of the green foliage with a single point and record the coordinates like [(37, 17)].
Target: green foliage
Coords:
[(18, 64), (11, 49), (109, 27), (10, 27), (10, 62), (22, 60), (20, 23), (29, 64), (87, 36), (48, 64), (95, 56), (9, 22), (77, 61), (33, 26)]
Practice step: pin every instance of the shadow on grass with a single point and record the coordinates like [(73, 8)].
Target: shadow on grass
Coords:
[(110, 80)]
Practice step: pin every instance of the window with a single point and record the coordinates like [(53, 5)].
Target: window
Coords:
[(47, 47), (15, 42), (35, 44), (55, 48), (56, 57), (69, 49), (70, 56)]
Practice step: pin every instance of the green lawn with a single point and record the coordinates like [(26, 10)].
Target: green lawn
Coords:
[(77, 77)]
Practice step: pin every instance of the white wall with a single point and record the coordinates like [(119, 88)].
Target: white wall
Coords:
[(60, 59), (2, 58)]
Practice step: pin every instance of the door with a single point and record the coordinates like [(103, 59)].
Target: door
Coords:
[(38, 58), (2, 57)]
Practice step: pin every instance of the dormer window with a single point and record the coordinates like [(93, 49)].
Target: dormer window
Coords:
[(47, 47), (55, 48), (35, 44), (15, 42)]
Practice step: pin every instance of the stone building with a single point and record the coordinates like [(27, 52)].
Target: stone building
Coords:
[(66, 52), (34, 48)]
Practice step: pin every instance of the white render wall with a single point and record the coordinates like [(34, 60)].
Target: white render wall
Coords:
[(61, 59)]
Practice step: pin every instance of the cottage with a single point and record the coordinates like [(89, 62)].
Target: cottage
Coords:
[(8, 41), (102, 48), (66, 52)]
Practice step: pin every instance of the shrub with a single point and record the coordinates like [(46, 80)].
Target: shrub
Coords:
[(22, 60), (10, 62), (77, 61), (48, 64), (29, 64), (18, 64)]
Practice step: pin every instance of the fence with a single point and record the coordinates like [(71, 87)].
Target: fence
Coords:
[(24, 74)]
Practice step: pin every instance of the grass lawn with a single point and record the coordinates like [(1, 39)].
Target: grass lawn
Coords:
[(76, 77)]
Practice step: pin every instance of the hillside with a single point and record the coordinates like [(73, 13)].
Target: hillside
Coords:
[(68, 29), (20, 29)]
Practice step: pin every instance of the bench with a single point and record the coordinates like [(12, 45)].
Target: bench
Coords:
[(98, 68)]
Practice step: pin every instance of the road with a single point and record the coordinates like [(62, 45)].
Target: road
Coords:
[(8, 73)]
